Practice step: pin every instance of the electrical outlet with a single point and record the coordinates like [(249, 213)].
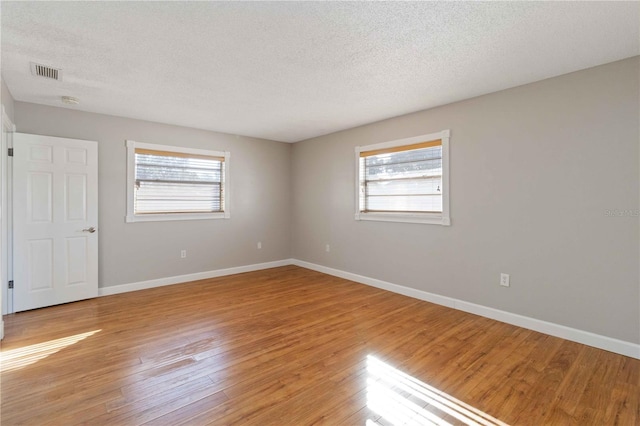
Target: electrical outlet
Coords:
[(504, 280), (259, 245), (183, 254), (327, 248)]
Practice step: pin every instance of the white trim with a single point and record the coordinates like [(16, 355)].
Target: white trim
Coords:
[(142, 285), (174, 216), (446, 169), (443, 218), (132, 217), (5, 218), (585, 337), (443, 134), (178, 149), (429, 218)]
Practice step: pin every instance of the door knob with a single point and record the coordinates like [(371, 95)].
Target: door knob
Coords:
[(90, 230)]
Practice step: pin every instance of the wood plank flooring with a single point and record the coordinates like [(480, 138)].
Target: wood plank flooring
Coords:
[(289, 346)]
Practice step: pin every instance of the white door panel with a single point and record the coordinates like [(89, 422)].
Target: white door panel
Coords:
[(75, 197), (40, 264), (40, 197), (55, 198), (76, 260)]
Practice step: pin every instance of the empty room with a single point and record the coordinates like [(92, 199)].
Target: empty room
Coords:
[(338, 213)]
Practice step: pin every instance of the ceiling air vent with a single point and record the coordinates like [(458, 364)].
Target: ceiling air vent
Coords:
[(45, 71)]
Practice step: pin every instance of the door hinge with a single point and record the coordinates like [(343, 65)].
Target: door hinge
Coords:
[(10, 152), (10, 283)]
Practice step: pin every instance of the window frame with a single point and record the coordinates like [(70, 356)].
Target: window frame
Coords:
[(131, 216), (443, 218)]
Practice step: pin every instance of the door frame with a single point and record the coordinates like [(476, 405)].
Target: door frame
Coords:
[(6, 270)]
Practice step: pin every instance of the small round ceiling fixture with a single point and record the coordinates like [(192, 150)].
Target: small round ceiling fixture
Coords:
[(70, 100)]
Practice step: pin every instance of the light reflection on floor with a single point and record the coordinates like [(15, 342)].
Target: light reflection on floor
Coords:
[(14, 359), (400, 399)]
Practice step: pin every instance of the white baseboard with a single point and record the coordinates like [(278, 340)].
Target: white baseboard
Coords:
[(142, 285), (585, 337)]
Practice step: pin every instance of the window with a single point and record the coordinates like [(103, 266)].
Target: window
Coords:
[(173, 183), (405, 180)]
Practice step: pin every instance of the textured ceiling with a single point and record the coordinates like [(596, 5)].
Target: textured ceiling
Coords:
[(289, 71)]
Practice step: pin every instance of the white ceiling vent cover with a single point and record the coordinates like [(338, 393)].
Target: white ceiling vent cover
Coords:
[(45, 71)]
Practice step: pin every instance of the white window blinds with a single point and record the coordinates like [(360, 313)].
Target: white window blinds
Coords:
[(176, 182), (405, 179)]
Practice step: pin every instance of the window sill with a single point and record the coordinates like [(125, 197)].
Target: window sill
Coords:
[(426, 218), (175, 216)]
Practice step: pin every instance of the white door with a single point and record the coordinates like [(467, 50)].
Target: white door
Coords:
[(55, 219)]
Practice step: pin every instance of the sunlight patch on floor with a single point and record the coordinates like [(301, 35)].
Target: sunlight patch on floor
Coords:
[(401, 399), (14, 359)]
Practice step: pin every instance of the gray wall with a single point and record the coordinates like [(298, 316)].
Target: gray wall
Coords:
[(133, 252), (7, 100), (534, 170)]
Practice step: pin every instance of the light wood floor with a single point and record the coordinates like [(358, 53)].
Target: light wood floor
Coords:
[(288, 346)]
